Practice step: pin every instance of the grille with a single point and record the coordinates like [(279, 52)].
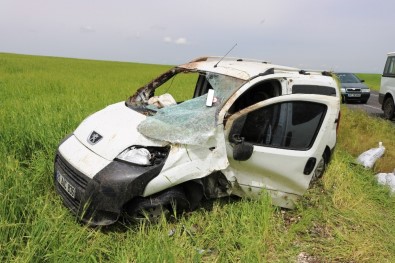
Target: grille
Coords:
[(76, 178), (71, 203), (351, 90)]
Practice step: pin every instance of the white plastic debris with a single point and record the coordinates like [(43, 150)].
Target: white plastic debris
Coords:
[(387, 179), (210, 98), (368, 158), (163, 100)]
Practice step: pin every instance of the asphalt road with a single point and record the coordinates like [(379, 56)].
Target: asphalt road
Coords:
[(372, 107)]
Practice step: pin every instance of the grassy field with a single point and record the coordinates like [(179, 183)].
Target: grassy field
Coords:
[(346, 217), (371, 80)]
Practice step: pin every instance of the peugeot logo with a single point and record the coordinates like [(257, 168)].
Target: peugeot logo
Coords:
[(94, 138)]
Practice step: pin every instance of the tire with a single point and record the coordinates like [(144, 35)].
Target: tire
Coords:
[(388, 108), (344, 100), (320, 169), (147, 212), (152, 209)]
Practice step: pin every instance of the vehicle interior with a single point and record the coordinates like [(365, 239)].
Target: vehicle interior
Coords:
[(287, 125), (202, 86), (259, 92)]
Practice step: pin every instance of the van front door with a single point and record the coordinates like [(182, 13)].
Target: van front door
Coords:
[(289, 135)]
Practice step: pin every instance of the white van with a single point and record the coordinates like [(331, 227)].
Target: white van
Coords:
[(387, 88), (248, 126)]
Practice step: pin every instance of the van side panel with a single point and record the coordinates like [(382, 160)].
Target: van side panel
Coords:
[(387, 87)]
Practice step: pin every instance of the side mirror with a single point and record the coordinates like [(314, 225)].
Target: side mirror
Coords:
[(242, 150), (362, 80)]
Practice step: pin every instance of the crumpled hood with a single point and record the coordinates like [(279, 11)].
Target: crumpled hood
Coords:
[(117, 124)]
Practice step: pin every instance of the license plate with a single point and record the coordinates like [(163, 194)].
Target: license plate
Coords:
[(354, 95), (65, 184)]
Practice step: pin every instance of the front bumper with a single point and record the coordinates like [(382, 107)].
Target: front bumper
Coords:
[(99, 201), (356, 96)]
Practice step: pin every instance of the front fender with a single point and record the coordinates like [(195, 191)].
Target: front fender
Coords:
[(113, 187)]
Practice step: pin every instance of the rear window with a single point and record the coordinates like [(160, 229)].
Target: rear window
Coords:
[(314, 89)]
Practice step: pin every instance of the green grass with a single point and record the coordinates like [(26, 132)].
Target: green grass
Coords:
[(346, 217), (371, 80), (359, 132)]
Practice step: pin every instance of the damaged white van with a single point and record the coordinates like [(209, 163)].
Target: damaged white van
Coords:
[(248, 126)]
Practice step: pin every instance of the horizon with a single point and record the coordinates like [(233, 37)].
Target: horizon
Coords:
[(350, 36)]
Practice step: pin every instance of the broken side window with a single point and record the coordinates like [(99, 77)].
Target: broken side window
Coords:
[(259, 92)]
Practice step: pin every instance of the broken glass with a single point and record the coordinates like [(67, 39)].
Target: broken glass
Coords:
[(191, 122)]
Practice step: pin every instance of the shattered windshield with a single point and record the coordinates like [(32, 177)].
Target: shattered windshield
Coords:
[(192, 122)]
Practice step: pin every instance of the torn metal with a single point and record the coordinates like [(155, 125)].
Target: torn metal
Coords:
[(144, 93)]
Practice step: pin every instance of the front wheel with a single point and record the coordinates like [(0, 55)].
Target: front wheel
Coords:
[(151, 213), (153, 208), (388, 108)]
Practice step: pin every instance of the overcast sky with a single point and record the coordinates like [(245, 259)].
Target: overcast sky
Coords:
[(340, 35)]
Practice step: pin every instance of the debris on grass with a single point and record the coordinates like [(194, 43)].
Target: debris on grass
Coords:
[(303, 257), (387, 179), (369, 157)]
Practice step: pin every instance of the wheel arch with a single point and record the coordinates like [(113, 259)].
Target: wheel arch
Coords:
[(386, 96), (327, 154)]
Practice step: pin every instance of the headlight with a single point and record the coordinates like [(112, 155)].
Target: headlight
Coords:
[(342, 90), (144, 155), (140, 156), (366, 90)]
